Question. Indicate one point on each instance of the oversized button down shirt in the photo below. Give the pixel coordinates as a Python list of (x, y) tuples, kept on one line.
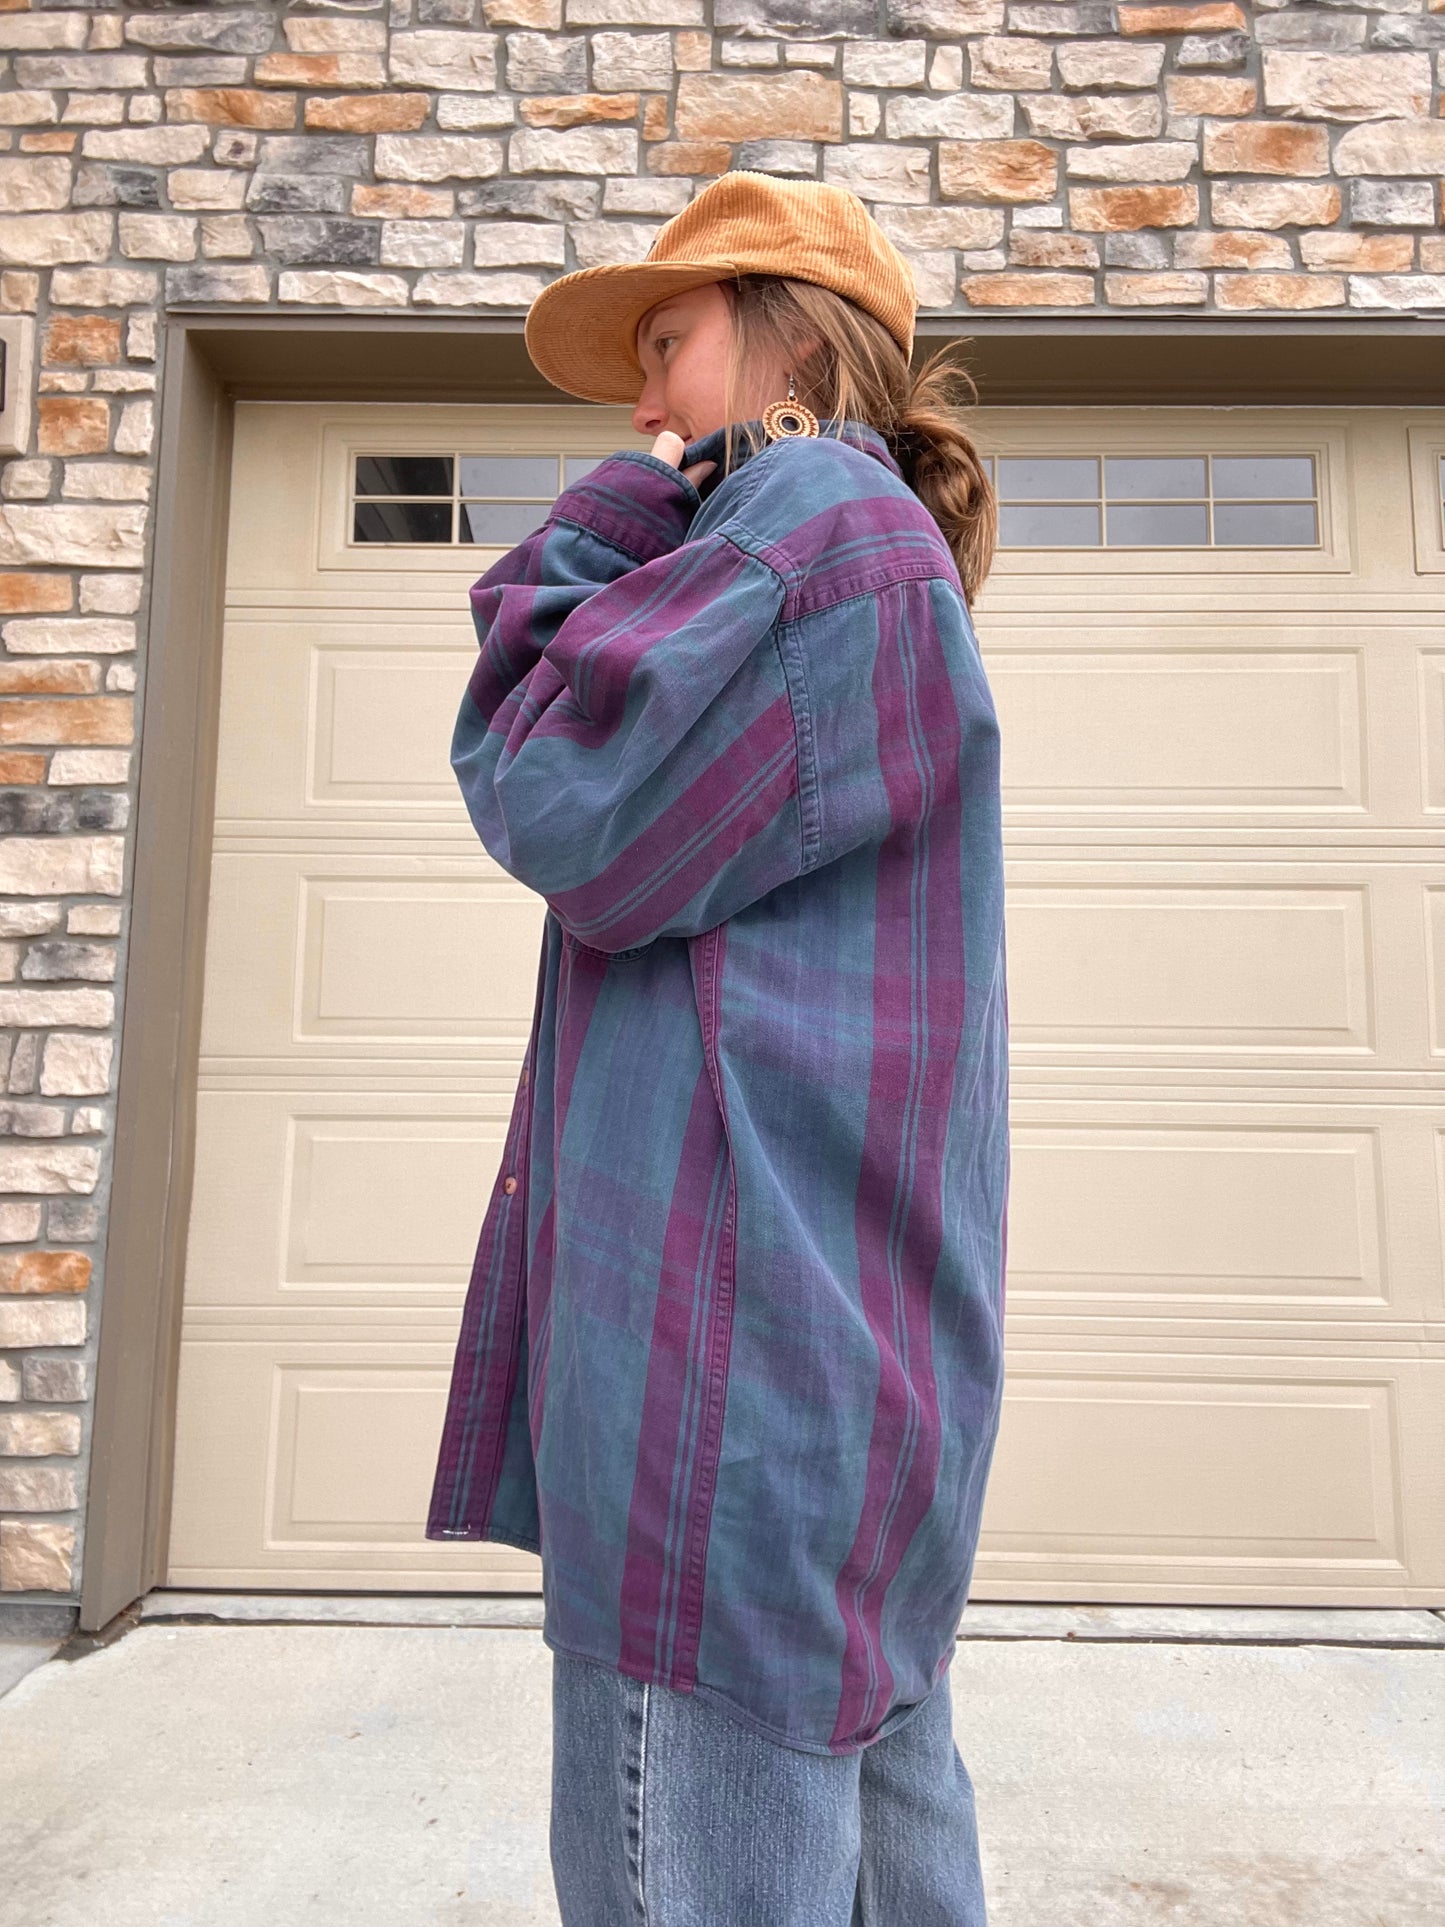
[(731, 1354)]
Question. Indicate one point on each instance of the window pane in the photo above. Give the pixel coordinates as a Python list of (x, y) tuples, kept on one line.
[(1150, 478), (576, 466), (1048, 528), (1044, 479), (1265, 525), (402, 522), (403, 474), (1276, 475), (509, 475), (1167, 525), (501, 524)]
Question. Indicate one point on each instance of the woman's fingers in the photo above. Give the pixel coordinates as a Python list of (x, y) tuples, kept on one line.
[(668, 447), (696, 470)]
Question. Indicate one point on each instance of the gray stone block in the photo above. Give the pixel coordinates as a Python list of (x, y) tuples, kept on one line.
[(305, 240), (314, 154), (797, 158), (546, 63), (534, 200), (1213, 50), (296, 194), (99, 185)]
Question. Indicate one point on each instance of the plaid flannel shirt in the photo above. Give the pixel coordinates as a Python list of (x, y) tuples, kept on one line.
[(731, 1354)]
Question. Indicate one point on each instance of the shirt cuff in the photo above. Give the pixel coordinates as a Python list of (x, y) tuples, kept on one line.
[(634, 500)]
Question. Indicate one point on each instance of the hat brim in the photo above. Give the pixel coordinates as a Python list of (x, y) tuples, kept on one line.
[(581, 330)]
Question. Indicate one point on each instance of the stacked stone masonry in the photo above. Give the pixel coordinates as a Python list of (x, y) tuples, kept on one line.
[(457, 155)]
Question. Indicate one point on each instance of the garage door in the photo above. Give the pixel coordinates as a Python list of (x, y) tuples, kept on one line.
[(1215, 641)]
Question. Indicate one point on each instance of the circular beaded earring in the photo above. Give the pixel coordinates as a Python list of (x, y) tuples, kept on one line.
[(784, 419)]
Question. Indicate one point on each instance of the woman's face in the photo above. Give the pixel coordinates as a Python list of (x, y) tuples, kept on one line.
[(683, 343)]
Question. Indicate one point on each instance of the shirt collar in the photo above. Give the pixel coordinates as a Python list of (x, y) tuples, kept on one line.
[(710, 447)]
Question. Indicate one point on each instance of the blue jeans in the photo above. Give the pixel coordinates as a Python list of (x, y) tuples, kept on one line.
[(667, 1812)]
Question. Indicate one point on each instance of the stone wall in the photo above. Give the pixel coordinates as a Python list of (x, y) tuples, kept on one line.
[(458, 154)]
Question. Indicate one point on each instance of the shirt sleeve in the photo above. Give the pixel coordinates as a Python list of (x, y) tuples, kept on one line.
[(627, 744)]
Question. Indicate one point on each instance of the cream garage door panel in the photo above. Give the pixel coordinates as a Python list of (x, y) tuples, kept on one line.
[(1223, 787)]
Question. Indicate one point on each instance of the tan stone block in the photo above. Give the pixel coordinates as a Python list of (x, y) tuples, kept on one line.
[(1367, 253), (1266, 147), (1010, 61), (41, 678), (1219, 16), (1151, 161), (214, 189), (231, 107), (39, 1435), (72, 424), (1235, 291), (576, 110), (399, 202), (689, 157), (1398, 147), (656, 118), (477, 290), (37, 1274), (1432, 246), (158, 237), (1228, 248), (44, 240), (389, 113), (74, 1065), (81, 340), (335, 288), (461, 63), (429, 158), (37, 1488), (997, 171), (320, 70), (68, 536), (19, 293), (1210, 94), (41, 1321), (1048, 248), (71, 635), (1108, 63), (53, 143), (103, 287), (34, 184), (1352, 86), (1103, 210), (102, 719), (1093, 116), (522, 13), (1028, 290), (941, 227), (90, 766), (26, 105), (1274, 204), (18, 767), (1155, 290), (22, 593), (692, 52), (738, 107), (307, 35), (36, 1556)]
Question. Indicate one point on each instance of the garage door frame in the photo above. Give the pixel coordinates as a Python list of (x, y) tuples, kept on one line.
[(211, 361)]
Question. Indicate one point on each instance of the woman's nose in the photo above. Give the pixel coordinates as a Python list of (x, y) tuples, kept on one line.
[(648, 417)]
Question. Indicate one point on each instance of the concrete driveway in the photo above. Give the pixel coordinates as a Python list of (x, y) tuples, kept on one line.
[(1194, 1768)]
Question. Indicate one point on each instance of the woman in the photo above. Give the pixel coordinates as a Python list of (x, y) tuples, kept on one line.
[(731, 1357)]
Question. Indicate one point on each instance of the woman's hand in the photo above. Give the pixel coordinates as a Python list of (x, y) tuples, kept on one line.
[(668, 448)]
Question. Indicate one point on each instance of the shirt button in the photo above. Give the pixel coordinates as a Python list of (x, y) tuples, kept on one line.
[(509, 1185)]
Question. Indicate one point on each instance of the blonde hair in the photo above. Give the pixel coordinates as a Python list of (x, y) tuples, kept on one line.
[(857, 371)]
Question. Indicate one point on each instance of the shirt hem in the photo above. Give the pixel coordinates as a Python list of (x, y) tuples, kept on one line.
[(490, 1534), (726, 1704)]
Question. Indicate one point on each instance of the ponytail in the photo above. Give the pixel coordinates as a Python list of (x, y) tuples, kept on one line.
[(848, 366)]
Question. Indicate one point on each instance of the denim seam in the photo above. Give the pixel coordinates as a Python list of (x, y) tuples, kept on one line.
[(642, 1808)]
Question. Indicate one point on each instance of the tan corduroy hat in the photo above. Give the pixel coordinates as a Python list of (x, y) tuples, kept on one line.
[(581, 330)]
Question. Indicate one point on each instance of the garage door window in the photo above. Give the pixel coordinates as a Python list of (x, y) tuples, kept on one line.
[(1157, 501), (456, 500)]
